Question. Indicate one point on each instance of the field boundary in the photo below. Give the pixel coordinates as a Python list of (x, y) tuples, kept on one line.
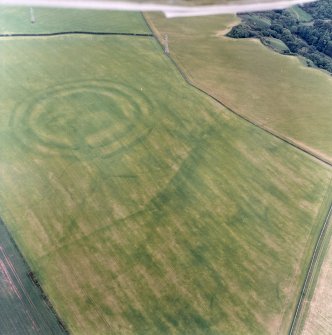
[(34, 280), (78, 33), (252, 122)]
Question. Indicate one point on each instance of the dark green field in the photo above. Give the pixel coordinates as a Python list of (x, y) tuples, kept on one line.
[(23, 310), (141, 204)]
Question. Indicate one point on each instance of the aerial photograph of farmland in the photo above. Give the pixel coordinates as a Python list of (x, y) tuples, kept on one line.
[(165, 167)]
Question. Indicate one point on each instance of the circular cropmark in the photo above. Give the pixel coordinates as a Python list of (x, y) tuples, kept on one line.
[(85, 119)]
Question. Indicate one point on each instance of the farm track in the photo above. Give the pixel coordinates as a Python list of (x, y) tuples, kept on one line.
[(252, 122), (315, 258), (61, 33)]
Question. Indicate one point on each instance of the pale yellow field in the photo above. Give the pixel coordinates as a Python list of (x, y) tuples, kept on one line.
[(276, 91)]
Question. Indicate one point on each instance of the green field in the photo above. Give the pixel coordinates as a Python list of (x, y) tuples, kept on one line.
[(300, 14), (275, 44), (17, 21), (274, 90), (143, 206)]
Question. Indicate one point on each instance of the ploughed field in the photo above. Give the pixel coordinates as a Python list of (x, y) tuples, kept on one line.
[(142, 205), (23, 307)]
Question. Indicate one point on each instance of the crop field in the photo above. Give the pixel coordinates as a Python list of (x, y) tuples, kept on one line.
[(276, 91), (22, 308), (141, 204), (15, 20)]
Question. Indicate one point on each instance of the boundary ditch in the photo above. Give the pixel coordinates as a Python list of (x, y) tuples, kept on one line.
[(61, 33)]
